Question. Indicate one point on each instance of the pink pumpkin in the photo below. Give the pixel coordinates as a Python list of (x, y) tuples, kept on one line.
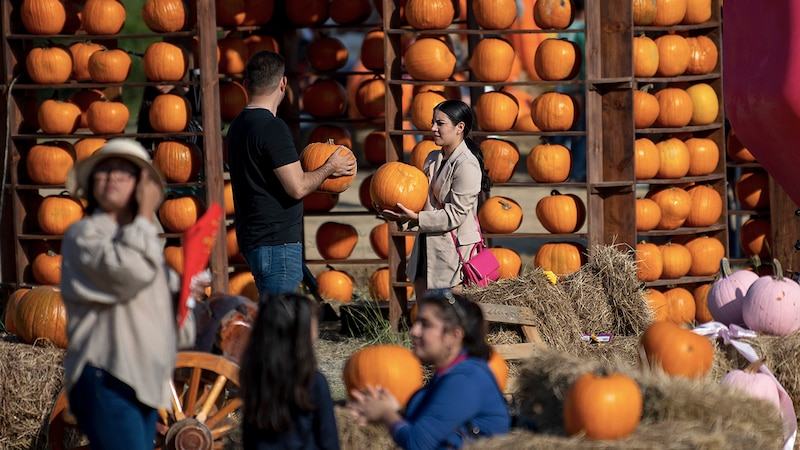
[(754, 383), (727, 293), (772, 304)]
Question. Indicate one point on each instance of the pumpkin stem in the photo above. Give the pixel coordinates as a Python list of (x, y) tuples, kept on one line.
[(646, 87), (725, 267), (755, 261), (330, 141), (754, 366), (555, 192), (506, 205), (777, 269)]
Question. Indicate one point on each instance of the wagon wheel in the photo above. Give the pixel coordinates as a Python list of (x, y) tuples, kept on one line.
[(205, 400)]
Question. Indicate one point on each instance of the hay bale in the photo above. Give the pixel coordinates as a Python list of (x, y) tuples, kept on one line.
[(678, 413), (352, 435), (607, 294), (30, 379), (553, 312)]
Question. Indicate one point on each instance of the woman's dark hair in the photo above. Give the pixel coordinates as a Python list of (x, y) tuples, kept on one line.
[(91, 200), (278, 366), (458, 311), (459, 111)]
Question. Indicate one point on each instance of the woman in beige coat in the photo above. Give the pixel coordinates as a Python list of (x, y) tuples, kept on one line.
[(456, 178)]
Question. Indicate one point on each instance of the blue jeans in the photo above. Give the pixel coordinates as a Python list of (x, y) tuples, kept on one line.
[(277, 269), (109, 414)]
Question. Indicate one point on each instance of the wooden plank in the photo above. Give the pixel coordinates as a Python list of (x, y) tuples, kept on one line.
[(516, 351), (518, 315), (532, 335)]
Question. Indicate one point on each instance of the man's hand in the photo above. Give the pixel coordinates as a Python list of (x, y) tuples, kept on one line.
[(342, 162)]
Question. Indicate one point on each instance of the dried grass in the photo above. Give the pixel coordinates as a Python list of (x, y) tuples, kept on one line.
[(354, 436), (678, 413), (30, 379)]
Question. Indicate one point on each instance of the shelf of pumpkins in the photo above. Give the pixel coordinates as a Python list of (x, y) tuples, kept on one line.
[(682, 218), (66, 73)]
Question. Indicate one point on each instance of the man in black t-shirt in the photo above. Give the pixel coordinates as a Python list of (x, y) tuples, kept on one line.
[(268, 181)]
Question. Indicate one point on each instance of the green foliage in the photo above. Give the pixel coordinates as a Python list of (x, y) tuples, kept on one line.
[(368, 318)]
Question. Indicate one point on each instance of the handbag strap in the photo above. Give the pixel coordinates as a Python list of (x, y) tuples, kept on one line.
[(479, 243)]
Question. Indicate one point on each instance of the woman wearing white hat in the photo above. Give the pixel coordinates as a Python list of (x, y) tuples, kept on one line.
[(118, 293)]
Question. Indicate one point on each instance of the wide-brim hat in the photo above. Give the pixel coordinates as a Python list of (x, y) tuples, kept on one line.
[(128, 149)]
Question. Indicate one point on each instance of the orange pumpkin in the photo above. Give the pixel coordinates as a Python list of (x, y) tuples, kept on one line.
[(681, 304), (500, 215), (232, 55), (549, 163), (669, 12), (40, 314), (430, 59), (107, 117), (702, 313), (163, 61), (706, 208), (648, 214), (178, 161), (658, 304), (335, 285), (647, 158), (737, 151), (422, 105), (645, 108), (705, 104), (393, 367), (677, 260), (43, 16), (371, 98), (561, 258), (429, 14), (396, 182), (325, 98), (603, 407), (755, 237), (57, 212), (675, 108), (102, 16), (233, 98), (674, 157), (496, 111), (557, 59), (49, 162), (173, 255), (336, 240), (178, 214), (703, 55), (676, 350), (561, 213), (229, 13), (49, 65), (707, 252), (645, 56), (703, 156), (379, 241), (58, 117), (169, 113), (554, 111), (421, 151), (85, 147), (510, 261), (371, 54), (553, 14), (644, 12), (326, 54), (492, 60), (673, 55), (649, 261), (494, 14), (320, 201), (164, 16), (315, 155), (350, 12), (500, 158), (81, 51), (675, 204), (697, 12), (9, 318), (243, 283), (83, 99), (380, 285), (46, 268), (752, 190), (109, 65), (258, 43)]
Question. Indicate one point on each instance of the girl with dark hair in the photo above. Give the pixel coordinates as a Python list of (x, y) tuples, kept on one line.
[(462, 402), (287, 401), (456, 179)]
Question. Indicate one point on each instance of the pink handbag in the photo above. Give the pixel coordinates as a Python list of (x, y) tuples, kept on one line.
[(482, 267)]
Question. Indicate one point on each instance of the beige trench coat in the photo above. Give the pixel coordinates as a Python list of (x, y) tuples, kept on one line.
[(451, 205)]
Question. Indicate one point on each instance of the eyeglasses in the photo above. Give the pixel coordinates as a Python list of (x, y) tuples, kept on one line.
[(119, 172)]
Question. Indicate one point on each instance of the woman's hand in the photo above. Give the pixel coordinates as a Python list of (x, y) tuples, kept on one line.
[(149, 195), (373, 404), (400, 214)]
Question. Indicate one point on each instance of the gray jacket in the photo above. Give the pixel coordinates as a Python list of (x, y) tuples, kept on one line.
[(452, 203)]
